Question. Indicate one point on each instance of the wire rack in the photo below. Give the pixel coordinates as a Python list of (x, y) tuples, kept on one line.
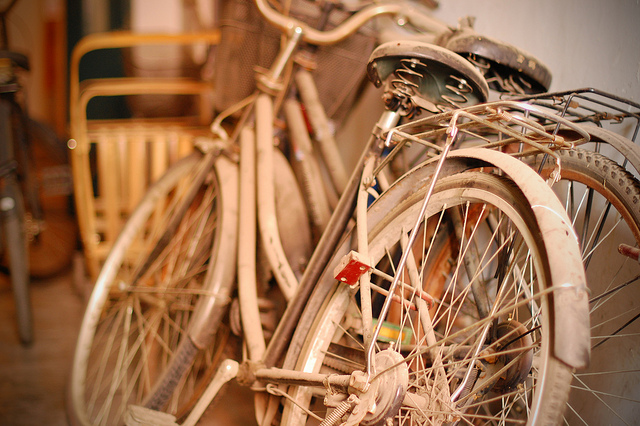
[(612, 122), (514, 127), (593, 106)]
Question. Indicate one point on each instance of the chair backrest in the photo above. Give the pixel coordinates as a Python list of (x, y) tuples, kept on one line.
[(115, 160)]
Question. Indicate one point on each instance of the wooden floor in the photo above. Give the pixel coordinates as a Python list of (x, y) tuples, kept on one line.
[(33, 380)]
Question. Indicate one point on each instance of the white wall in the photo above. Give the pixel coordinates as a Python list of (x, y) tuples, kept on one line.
[(593, 43), (585, 43)]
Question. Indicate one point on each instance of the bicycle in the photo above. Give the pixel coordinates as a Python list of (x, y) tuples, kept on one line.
[(504, 212), (600, 192), (37, 224), (12, 206), (601, 197), (599, 188)]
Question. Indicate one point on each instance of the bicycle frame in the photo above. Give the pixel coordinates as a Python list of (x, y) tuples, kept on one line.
[(246, 209), (263, 358), (256, 151), (262, 106)]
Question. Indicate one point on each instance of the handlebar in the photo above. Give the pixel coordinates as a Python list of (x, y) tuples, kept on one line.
[(352, 24)]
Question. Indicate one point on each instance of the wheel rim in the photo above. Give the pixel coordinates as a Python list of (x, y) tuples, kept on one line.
[(433, 366), (132, 331), (601, 392)]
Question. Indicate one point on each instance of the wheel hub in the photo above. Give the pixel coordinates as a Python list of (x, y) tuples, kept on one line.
[(516, 341), (383, 397)]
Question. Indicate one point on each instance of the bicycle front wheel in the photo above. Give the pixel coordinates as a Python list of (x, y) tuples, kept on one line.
[(15, 243), (135, 344), (468, 336)]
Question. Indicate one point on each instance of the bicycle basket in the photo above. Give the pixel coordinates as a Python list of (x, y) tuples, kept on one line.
[(247, 42)]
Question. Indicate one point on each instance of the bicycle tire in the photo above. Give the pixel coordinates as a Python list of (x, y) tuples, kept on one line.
[(54, 239), (337, 317), (15, 243), (163, 363), (600, 393), (45, 181)]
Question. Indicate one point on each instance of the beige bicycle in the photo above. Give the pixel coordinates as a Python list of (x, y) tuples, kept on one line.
[(452, 292)]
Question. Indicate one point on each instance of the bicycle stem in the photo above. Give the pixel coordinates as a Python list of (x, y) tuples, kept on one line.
[(270, 80)]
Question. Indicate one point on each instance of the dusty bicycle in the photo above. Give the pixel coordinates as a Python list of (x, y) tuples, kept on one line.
[(382, 337), (597, 185), (600, 191), (38, 227), (14, 242)]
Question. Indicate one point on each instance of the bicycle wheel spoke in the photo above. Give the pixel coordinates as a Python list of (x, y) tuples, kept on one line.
[(139, 352), (598, 395), (601, 200), (461, 366)]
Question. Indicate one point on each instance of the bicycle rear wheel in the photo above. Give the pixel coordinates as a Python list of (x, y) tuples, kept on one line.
[(603, 202), (137, 343), (481, 353)]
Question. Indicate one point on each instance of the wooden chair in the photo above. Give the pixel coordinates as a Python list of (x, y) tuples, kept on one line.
[(114, 161)]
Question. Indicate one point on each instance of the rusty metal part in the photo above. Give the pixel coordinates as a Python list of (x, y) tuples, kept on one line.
[(252, 372), (502, 57), (516, 341), (383, 393), (631, 252)]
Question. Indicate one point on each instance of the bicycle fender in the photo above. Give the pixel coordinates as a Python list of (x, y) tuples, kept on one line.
[(220, 277), (570, 300)]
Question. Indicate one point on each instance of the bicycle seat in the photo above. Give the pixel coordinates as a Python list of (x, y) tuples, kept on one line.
[(16, 58), (432, 77), (507, 61)]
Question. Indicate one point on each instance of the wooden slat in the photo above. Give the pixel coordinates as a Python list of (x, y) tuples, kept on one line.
[(159, 155), (108, 182), (185, 145), (136, 169)]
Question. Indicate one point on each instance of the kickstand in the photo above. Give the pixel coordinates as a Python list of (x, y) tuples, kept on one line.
[(142, 416)]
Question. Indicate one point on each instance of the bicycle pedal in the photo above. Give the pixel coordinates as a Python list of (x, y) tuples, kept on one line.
[(142, 416)]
